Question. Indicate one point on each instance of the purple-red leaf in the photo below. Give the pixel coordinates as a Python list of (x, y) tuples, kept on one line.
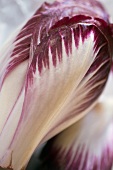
[(87, 144), (51, 75)]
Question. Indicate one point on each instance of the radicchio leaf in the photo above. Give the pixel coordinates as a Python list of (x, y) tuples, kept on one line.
[(87, 144), (51, 75)]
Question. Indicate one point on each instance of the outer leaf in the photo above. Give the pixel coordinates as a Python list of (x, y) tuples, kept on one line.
[(86, 145), (50, 78)]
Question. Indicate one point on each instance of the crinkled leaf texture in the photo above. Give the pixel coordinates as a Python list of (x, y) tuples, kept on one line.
[(86, 145), (51, 75)]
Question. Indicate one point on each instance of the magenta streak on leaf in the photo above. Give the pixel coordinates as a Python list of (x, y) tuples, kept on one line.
[(45, 32), (87, 144), (56, 46), (102, 70), (42, 19), (43, 58), (66, 33), (72, 162), (11, 112)]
